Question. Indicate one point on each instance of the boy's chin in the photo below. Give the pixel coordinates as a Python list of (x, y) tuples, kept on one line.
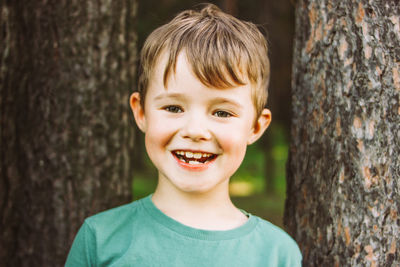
[(201, 189)]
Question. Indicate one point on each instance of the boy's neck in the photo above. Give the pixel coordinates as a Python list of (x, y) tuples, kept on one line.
[(208, 211)]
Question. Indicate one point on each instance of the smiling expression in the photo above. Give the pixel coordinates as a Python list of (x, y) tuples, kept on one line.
[(195, 135)]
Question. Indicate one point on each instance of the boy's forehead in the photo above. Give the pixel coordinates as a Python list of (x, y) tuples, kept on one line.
[(183, 68), (183, 82)]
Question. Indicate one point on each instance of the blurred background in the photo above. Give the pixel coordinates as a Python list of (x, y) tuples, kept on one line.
[(259, 186)]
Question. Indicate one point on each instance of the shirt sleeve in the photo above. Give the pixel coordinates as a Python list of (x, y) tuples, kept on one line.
[(83, 249), (294, 261), (293, 257)]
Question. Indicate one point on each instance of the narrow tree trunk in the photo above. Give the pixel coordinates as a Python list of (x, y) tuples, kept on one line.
[(66, 136), (344, 170)]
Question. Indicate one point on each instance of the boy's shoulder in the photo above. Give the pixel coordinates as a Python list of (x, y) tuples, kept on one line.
[(277, 241), (121, 215), (269, 231)]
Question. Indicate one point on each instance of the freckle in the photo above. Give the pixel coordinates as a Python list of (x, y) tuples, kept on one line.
[(347, 235), (357, 122)]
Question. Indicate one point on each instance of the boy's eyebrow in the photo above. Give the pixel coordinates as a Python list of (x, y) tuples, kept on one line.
[(167, 95), (223, 100), (217, 100)]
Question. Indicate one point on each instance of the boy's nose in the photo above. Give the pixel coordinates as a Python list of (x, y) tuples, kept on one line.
[(196, 129)]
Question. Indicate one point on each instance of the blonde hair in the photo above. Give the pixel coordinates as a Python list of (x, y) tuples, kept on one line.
[(222, 50)]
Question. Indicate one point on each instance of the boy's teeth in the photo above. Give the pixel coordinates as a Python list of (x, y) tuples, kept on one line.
[(197, 155), (193, 157)]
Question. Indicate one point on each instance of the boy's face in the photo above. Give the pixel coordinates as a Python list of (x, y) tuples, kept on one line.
[(196, 136)]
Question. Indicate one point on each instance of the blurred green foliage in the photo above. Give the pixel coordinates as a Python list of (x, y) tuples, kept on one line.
[(253, 169)]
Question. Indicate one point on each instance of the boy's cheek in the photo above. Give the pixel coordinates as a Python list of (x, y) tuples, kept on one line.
[(235, 146), (158, 133)]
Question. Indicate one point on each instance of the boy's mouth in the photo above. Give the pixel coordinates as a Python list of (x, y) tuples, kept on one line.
[(193, 157)]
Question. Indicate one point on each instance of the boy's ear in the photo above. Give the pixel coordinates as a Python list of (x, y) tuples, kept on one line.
[(138, 111), (260, 125)]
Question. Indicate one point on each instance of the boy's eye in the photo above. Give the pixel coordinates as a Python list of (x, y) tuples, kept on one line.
[(173, 109), (222, 114)]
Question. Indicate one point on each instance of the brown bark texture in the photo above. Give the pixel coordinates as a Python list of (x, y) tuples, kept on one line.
[(66, 131), (344, 166)]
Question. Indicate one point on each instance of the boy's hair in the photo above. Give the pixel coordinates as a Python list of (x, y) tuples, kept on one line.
[(222, 50)]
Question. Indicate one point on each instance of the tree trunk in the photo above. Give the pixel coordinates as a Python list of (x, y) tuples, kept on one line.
[(66, 132), (344, 169)]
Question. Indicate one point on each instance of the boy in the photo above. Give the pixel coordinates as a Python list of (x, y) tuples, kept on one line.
[(202, 91)]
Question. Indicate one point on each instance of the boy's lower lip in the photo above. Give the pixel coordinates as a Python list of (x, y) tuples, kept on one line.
[(193, 167)]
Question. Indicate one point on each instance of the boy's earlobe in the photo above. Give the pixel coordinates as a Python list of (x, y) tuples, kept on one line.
[(138, 111), (260, 125)]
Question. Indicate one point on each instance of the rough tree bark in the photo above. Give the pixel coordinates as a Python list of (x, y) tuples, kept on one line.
[(66, 136), (344, 170)]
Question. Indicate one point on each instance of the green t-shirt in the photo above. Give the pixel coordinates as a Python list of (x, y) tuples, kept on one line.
[(139, 234)]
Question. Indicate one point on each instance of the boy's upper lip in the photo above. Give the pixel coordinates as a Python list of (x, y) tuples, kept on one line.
[(194, 150)]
